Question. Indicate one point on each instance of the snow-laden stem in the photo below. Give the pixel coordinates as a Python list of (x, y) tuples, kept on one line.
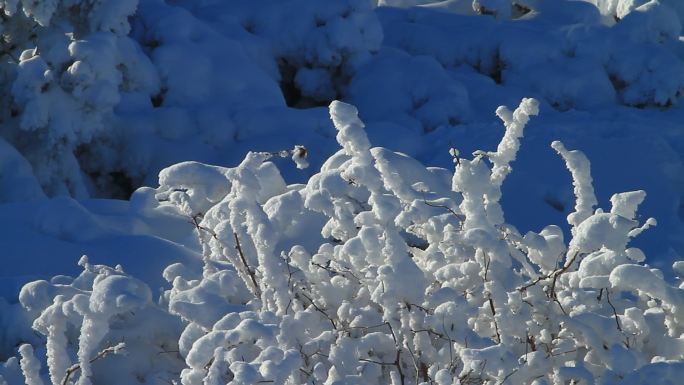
[(509, 145), (506, 153), (30, 366), (53, 323), (93, 331), (580, 168)]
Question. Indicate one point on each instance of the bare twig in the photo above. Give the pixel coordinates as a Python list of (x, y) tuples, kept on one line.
[(337, 272), (451, 347), (424, 309), (413, 358), (561, 271), (238, 247), (195, 221), (554, 275), (496, 325), (115, 349), (508, 376), (397, 362), (377, 362), (460, 217), (617, 318), (320, 310)]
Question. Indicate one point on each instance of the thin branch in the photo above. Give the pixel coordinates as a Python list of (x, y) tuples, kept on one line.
[(554, 274), (195, 220), (508, 376), (496, 325), (377, 362), (460, 217), (561, 271), (397, 362), (617, 319), (337, 272), (424, 309), (451, 347), (320, 310), (102, 354), (238, 247)]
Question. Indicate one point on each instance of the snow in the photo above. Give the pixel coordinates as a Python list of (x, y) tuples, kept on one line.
[(283, 191)]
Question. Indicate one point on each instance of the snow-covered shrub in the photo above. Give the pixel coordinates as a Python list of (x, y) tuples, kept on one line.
[(86, 82), (312, 48), (86, 319), (616, 10), (379, 270), (563, 51), (416, 92), (656, 75), (70, 63)]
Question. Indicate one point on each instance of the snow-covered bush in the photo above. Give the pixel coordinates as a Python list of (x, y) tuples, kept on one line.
[(312, 48), (583, 63), (377, 270), (70, 62), (416, 277), (86, 319), (416, 91)]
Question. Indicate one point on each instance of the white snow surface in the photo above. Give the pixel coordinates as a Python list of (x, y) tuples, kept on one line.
[(281, 191)]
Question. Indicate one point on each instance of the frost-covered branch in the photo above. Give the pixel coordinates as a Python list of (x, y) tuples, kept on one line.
[(579, 167)]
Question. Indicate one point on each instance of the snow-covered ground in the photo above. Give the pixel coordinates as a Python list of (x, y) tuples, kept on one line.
[(99, 96)]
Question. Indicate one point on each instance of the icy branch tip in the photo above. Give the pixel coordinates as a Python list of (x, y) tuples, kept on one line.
[(341, 108), (342, 113), (530, 106), (83, 261), (558, 146)]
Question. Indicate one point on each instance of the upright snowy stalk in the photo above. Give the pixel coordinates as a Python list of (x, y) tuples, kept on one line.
[(579, 167), (400, 280), (352, 137), (112, 294), (480, 186), (506, 152), (93, 330), (507, 149), (53, 323), (30, 366)]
